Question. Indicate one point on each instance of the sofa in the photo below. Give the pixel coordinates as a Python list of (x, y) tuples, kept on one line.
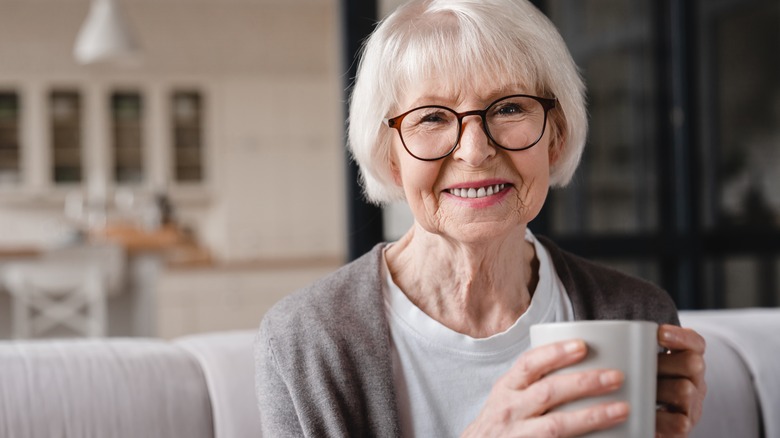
[(202, 386)]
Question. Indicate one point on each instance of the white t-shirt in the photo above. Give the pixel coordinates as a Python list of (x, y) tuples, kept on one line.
[(443, 377)]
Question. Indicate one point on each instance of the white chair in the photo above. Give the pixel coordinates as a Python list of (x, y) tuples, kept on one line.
[(109, 257), (56, 293)]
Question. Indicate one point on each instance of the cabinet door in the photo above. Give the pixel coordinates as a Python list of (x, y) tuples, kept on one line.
[(187, 127), (66, 146), (10, 147), (127, 129)]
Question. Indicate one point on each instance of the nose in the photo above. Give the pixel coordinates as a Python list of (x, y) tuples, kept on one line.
[(474, 146)]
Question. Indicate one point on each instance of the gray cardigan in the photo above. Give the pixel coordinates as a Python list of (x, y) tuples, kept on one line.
[(322, 355)]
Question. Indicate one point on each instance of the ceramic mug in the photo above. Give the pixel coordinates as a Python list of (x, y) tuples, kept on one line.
[(628, 346)]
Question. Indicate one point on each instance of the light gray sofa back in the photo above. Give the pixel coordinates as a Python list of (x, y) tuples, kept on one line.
[(228, 363), (203, 385), (119, 388), (743, 372)]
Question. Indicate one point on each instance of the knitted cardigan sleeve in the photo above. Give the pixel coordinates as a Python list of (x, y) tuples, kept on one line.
[(322, 359)]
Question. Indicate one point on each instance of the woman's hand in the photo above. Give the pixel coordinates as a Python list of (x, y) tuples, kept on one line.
[(681, 386), (519, 402)]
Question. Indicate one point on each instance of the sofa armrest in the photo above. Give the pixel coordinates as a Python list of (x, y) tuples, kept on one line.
[(119, 388), (743, 376), (228, 363)]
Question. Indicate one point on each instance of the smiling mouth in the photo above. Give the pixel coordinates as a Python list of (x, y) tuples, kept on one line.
[(480, 192)]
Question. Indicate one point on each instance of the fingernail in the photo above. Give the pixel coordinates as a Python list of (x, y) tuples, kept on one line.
[(573, 346), (668, 335), (616, 410), (610, 378)]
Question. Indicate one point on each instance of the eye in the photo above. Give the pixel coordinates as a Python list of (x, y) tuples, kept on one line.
[(508, 109), (433, 117), (430, 117)]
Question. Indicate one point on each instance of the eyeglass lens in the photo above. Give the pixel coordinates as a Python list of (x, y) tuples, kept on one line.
[(515, 122)]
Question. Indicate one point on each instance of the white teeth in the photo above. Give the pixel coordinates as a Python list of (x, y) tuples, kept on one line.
[(478, 193)]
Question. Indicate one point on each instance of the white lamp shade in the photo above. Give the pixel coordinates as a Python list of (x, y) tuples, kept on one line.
[(105, 35)]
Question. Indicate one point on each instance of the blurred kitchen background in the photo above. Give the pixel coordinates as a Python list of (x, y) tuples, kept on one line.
[(198, 176)]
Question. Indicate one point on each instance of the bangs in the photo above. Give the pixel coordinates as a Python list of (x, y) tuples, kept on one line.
[(461, 53)]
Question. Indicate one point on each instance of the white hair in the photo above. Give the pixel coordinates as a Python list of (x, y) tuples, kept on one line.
[(503, 41)]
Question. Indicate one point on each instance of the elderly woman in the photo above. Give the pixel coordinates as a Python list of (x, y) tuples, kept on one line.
[(469, 111)]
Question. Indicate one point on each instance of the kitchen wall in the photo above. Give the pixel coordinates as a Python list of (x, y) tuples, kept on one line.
[(270, 74)]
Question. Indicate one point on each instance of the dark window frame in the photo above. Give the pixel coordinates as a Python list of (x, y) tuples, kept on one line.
[(681, 246)]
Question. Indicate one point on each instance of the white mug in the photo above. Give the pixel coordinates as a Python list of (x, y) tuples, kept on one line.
[(628, 346)]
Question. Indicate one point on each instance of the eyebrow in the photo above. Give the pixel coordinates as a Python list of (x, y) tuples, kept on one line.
[(446, 100), (433, 99)]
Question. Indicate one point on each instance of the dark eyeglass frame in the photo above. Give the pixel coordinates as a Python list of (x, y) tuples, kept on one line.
[(547, 105)]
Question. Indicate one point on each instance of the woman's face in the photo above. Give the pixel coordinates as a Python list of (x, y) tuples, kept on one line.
[(437, 191)]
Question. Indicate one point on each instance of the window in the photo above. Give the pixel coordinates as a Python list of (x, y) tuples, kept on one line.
[(739, 127), (65, 116), (187, 119), (740, 113), (10, 166), (611, 209), (613, 43), (679, 180), (126, 109)]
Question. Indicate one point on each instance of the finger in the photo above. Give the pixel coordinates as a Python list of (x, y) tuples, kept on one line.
[(553, 391), (576, 423), (680, 338), (677, 395), (685, 364), (535, 363), (672, 424)]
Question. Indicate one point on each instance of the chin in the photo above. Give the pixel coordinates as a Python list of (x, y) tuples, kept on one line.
[(483, 232)]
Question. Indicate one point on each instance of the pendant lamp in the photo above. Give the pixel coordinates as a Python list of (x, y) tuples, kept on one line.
[(105, 36)]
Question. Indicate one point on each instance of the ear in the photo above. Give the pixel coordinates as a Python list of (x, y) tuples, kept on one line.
[(557, 143), (395, 169), (554, 152)]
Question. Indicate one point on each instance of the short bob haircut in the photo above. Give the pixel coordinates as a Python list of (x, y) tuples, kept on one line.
[(502, 41)]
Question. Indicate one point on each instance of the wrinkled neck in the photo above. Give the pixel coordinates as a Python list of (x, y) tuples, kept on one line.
[(475, 289)]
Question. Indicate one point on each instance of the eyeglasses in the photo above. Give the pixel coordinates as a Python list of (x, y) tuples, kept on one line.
[(432, 132)]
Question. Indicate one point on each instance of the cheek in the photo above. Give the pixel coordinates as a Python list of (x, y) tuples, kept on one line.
[(534, 172), (533, 166), (418, 176), (412, 174), (541, 157)]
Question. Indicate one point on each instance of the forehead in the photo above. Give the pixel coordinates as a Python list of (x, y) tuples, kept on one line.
[(451, 76), (441, 91)]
